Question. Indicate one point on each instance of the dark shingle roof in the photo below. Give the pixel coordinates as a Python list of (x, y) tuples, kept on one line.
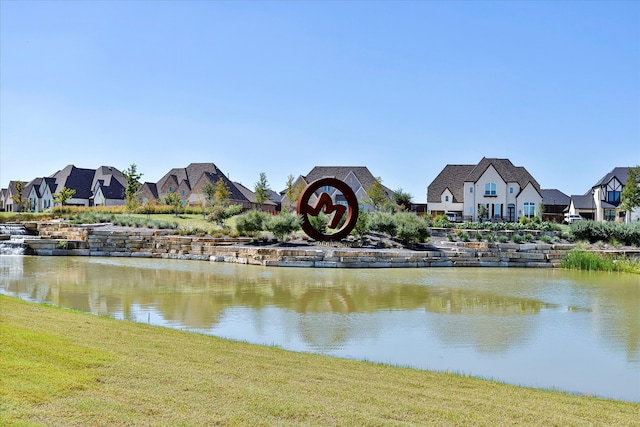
[(554, 197), (362, 174), (621, 173), (507, 171), (451, 177), (583, 201)]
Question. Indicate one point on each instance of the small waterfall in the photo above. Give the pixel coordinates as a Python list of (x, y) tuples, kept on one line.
[(12, 239)]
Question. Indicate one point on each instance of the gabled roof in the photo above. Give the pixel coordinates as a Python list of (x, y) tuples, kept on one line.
[(621, 173), (149, 187), (35, 184), (251, 197), (76, 179), (191, 174), (362, 173), (583, 201), (112, 182), (506, 170), (554, 197), (451, 177)]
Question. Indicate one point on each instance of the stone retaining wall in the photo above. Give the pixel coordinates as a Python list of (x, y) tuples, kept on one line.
[(64, 239)]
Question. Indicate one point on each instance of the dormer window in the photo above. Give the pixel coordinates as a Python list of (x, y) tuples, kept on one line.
[(490, 189), (446, 198)]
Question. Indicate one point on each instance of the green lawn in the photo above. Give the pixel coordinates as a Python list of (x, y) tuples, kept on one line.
[(60, 367)]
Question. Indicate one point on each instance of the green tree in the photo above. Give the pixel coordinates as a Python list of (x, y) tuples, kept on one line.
[(222, 193), (402, 199), (293, 192), (133, 185), (261, 189), (251, 223), (172, 199), (630, 197), (283, 225), (63, 195), (376, 194), (18, 186)]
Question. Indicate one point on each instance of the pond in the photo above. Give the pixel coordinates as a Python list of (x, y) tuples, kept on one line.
[(554, 329)]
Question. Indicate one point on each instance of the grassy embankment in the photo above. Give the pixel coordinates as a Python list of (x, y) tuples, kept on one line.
[(581, 259), (60, 367)]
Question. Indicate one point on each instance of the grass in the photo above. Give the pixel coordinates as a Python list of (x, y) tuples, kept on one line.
[(61, 367), (580, 259)]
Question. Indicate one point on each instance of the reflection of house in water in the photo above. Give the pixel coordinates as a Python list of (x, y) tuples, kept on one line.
[(461, 301)]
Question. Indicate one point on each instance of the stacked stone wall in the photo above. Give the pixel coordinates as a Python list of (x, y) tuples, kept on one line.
[(65, 239)]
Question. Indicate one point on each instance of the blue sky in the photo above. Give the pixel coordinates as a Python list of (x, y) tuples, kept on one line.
[(401, 87)]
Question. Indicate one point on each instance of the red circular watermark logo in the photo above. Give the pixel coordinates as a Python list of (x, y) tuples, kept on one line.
[(324, 203)]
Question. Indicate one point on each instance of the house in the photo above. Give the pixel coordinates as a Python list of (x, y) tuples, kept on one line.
[(359, 179), (493, 189), (189, 182), (602, 201), (555, 204), (8, 195), (3, 193), (103, 186)]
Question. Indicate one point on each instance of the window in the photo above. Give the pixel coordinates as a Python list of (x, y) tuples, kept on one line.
[(613, 196), (490, 189), (529, 209), (609, 215), (510, 190), (170, 189), (446, 198), (471, 210), (183, 193), (470, 189)]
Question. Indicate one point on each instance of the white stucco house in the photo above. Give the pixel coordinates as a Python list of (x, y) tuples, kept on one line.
[(506, 192)]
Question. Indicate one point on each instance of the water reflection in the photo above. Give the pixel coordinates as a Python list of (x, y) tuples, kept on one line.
[(486, 322)]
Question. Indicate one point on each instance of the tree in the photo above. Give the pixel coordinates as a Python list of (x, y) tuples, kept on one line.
[(402, 199), (18, 186), (376, 194), (209, 191), (65, 194), (293, 191), (222, 193), (630, 197), (172, 199), (283, 225), (133, 185), (262, 189)]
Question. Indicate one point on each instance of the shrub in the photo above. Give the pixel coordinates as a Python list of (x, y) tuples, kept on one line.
[(545, 239), (319, 222), (450, 237), (464, 236), (441, 221), (410, 228), (517, 238), (283, 225), (383, 222), (502, 239), (251, 223), (490, 237), (528, 237), (362, 225), (478, 236)]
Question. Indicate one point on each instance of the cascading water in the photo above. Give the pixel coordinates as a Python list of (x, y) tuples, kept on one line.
[(12, 239)]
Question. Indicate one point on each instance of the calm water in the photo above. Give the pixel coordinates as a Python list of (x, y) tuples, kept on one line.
[(573, 331)]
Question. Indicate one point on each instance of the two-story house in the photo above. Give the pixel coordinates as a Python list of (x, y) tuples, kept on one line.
[(493, 189), (602, 201)]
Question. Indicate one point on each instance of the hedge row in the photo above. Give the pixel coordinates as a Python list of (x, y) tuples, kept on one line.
[(593, 231)]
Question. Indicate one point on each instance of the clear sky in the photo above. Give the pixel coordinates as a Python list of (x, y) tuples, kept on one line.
[(401, 87)]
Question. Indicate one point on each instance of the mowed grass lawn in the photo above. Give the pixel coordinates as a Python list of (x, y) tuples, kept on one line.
[(61, 367)]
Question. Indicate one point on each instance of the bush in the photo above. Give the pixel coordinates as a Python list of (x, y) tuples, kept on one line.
[(362, 225), (517, 238), (502, 239), (592, 231), (251, 223), (410, 228), (464, 236), (383, 222), (319, 222), (283, 225)]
